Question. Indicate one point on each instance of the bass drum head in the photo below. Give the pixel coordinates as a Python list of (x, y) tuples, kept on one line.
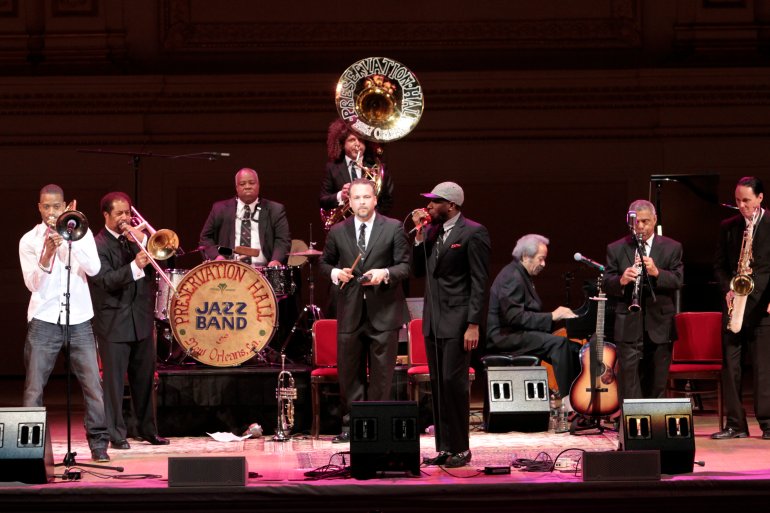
[(224, 313)]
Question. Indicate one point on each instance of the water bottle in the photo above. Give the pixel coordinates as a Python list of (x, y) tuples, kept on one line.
[(553, 422), (563, 423)]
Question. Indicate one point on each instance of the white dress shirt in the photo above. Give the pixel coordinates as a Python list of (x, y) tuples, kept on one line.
[(255, 242), (49, 288)]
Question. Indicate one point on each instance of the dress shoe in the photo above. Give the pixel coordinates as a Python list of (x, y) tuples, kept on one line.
[(120, 444), (458, 460), (729, 433), (156, 440), (766, 434), (437, 460), (342, 438), (100, 455)]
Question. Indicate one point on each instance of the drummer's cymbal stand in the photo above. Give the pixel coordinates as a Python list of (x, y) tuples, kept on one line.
[(310, 313)]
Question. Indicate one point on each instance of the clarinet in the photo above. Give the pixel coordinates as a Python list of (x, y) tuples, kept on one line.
[(635, 306)]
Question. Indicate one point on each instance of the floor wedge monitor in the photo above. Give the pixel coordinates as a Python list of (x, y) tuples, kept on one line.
[(25, 446), (518, 399)]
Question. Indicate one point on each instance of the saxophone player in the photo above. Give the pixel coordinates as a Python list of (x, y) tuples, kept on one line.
[(644, 316), (754, 335)]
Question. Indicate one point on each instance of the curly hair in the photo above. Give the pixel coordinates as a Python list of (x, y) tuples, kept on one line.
[(335, 139)]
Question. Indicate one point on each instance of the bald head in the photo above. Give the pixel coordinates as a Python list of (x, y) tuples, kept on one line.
[(247, 185)]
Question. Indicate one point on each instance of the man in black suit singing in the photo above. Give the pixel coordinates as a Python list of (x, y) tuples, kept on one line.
[(644, 325), (248, 220), (452, 252), (367, 257), (124, 300), (753, 337)]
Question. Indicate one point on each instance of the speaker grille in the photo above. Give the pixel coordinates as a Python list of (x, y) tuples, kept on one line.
[(207, 471)]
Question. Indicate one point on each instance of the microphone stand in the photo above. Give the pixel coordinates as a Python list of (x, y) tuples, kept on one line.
[(69, 458), (136, 160)]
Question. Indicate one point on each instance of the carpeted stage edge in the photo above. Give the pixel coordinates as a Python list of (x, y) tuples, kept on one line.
[(394, 495)]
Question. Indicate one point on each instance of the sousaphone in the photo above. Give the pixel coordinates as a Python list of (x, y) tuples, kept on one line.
[(381, 101)]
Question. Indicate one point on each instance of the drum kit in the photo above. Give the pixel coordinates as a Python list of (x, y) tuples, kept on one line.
[(224, 312)]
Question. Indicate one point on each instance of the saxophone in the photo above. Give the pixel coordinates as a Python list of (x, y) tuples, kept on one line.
[(742, 283), (286, 393)]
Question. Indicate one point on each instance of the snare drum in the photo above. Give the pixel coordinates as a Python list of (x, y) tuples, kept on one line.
[(163, 296), (281, 278), (224, 312)]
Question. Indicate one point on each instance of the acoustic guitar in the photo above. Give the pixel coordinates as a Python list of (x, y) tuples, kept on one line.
[(595, 391)]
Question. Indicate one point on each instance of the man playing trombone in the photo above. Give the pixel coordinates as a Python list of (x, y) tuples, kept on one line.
[(43, 263), (644, 317), (124, 295)]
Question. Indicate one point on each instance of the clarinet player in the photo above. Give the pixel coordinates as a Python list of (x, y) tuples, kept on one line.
[(644, 316), (754, 333)]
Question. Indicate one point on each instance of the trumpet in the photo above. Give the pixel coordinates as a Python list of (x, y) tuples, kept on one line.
[(162, 245), (286, 393)]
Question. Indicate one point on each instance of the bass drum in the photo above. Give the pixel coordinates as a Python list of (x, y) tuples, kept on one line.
[(163, 296), (224, 313)]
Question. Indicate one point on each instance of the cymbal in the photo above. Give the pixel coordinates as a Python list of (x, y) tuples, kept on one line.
[(307, 253)]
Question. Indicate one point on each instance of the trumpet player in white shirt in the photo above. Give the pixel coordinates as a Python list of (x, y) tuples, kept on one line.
[(43, 256)]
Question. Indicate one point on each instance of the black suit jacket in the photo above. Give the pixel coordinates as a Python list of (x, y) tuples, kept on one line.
[(455, 282), (726, 264), (388, 248), (514, 307), (658, 316), (124, 308), (274, 236), (337, 174)]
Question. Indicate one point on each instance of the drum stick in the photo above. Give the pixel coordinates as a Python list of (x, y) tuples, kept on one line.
[(355, 262), (245, 250)]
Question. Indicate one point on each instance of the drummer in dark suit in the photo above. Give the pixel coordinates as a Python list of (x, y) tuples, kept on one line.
[(123, 293), (248, 220)]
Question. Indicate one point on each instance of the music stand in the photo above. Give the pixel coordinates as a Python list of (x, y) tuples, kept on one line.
[(72, 226)]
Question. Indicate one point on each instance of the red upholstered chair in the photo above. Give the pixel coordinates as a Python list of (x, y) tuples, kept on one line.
[(418, 361), (697, 355), (324, 365)]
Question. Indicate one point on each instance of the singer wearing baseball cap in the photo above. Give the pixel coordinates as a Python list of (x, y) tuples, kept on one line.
[(452, 253)]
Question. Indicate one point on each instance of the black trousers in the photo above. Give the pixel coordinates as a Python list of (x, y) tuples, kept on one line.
[(365, 347), (560, 352), (757, 342), (643, 372), (448, 363)]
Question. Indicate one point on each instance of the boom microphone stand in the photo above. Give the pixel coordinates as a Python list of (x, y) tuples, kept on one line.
[(72, 226)]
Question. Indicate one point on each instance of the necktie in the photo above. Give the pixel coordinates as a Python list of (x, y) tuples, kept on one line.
[(440, 241), (246, 231), (353, 171), (362, 238)]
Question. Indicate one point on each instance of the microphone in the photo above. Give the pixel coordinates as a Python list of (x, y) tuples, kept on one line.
[(631, 219), (218, 154), (71, 225), (425, 221), (591, 263)]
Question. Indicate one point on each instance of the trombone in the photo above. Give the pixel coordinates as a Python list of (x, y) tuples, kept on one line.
[(162, 245)]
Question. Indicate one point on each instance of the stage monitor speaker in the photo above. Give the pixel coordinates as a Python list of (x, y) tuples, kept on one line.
[(660, 424), (519, 399), (621, 466), (384, 438), (208, 471), (25, 446)]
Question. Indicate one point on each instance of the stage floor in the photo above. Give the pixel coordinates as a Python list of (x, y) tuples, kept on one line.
[(735, 472)]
